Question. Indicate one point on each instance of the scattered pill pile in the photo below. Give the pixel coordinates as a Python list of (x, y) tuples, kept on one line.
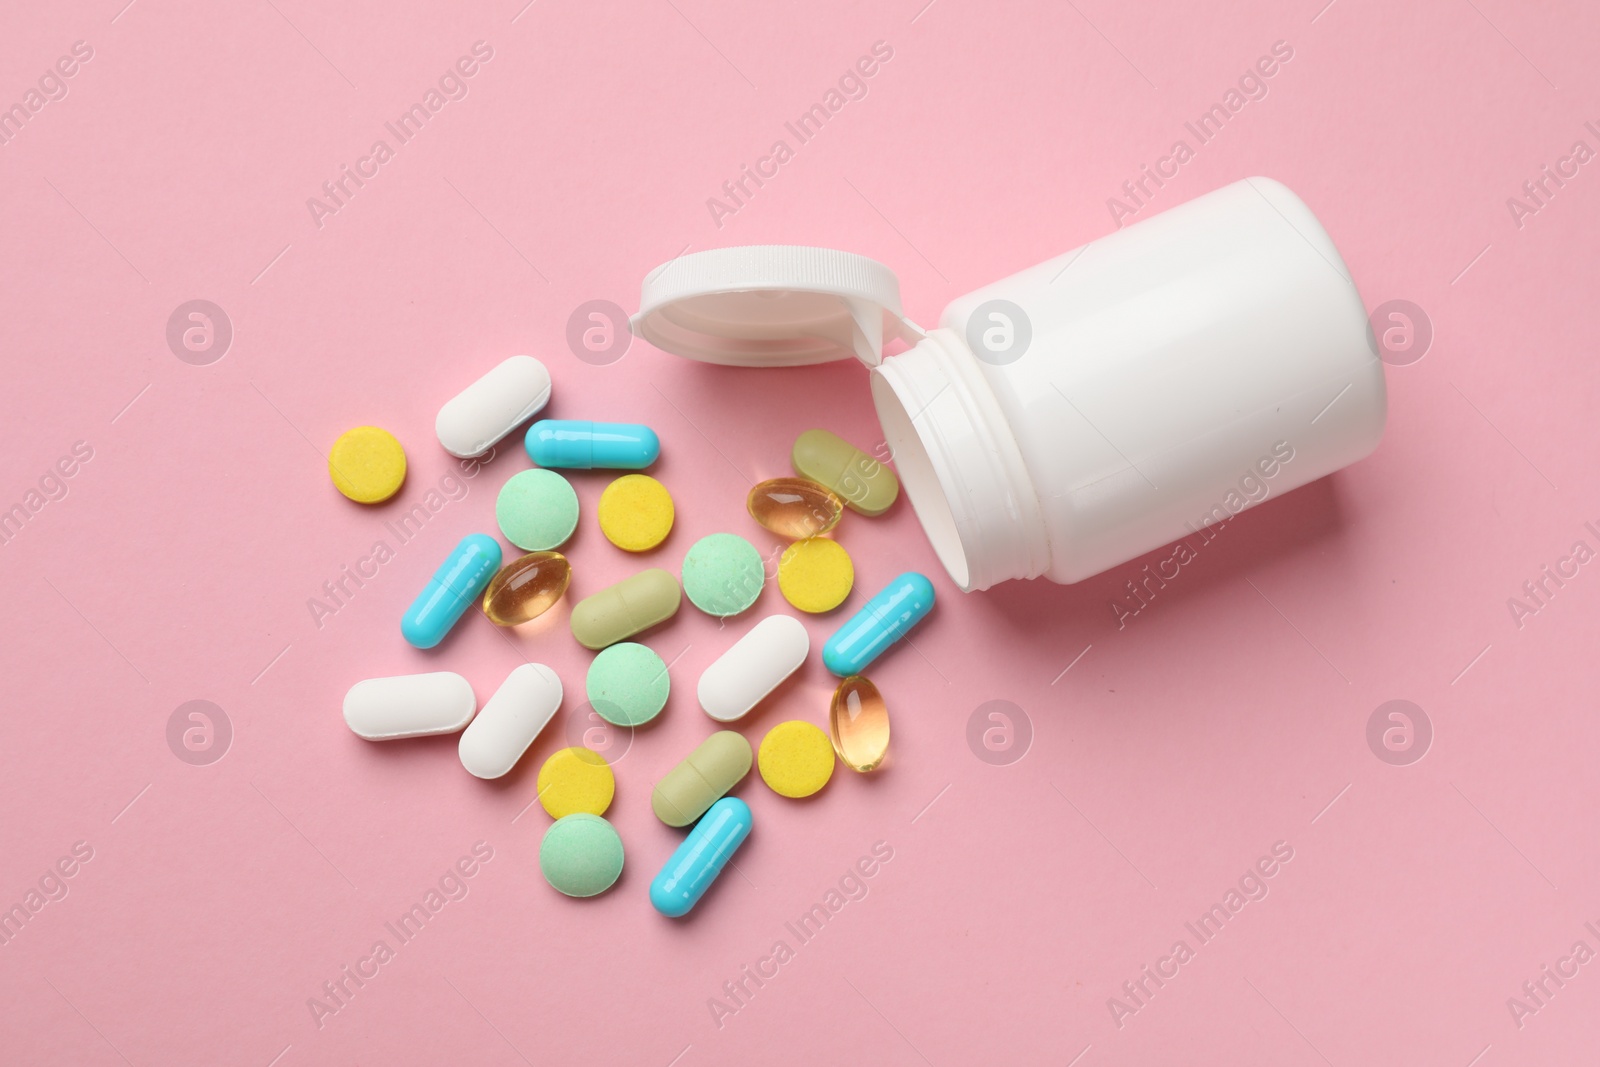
[(628, 684)]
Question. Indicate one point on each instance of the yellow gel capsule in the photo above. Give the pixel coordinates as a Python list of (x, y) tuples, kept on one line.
[(526, 588), (367, 464), (796, 508), (861, 481), (858, 724)]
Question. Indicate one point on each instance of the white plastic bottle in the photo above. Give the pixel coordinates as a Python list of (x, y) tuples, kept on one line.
[(1087, 410)]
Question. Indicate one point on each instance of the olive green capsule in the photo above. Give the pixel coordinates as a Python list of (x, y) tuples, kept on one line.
[(860, 481), (619, 611), (716, 766)]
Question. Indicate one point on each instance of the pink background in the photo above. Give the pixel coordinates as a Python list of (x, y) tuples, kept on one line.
[(1229, 715)]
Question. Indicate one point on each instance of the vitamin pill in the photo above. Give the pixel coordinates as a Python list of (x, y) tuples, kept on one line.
[(410, 705), (585, 445), (881, 622), (367, 464), (537, 510), (576, 780), (772, 650), (526, 588), (705, 775), (858, 724), (494, 741), (861, 481), (624, 609), (628, 684), (796, 508), (459, 581), (815, 575), (635, 512), (581, 855), (796, 759), (723, 574), (481, 414), (695, 864)]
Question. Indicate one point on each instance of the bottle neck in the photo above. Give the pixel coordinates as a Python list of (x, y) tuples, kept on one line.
[(960, 464)]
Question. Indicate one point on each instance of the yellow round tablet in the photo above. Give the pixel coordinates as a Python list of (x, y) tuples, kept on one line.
[(576, 780), (816, 574), (635, 512), (367, 464), (795, 758)]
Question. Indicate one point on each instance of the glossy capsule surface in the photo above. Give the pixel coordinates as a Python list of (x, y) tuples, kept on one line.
[(796, 508), (881, 622), (458, 582), (526, 588), (696, 863), (858, 724), (582, 445)]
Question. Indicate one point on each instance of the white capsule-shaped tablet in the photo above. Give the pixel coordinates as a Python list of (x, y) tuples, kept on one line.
[(510, 721), (491, 407), (409, 705), (755, 665)]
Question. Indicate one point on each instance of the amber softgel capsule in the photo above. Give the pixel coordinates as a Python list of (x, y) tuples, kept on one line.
[(858, 724), (796, 508), (526, 588)]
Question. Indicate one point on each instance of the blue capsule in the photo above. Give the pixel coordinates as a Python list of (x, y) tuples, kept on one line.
[(881, 622), (585, 445), (697, 862), (458, 582)]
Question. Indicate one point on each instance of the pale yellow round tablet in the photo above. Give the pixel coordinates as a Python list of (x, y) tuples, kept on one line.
[(795, 759), (635, 512), (576, 780), (367, 464), (816, 574)]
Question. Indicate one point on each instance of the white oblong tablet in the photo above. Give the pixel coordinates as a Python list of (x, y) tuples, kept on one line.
[(491, 407), (409, 705), (772, 650), (509, 722)]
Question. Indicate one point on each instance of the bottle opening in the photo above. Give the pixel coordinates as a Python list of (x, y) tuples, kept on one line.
[(960, 464), (921, 481)]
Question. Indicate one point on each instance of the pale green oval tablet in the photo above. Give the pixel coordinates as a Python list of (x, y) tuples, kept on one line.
[(705, 775), (537, 510), (581, 855), (723, 574), (619, 611), (628, 684), (862, 482)]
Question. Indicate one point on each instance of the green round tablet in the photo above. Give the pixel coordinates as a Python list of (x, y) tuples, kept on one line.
[(537, 510), (581, 855), (722, 574), (628, 684)]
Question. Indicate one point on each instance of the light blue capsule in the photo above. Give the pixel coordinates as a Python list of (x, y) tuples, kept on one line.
[(881, 622), (582, 445), (460, 580), (697, 862)]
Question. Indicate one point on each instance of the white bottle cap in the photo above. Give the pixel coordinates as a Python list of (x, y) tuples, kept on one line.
[(772, 306)]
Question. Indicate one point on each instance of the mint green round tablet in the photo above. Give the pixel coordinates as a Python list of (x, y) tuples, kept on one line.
[(628, 684), (537, 510), (581, 855), (722, 574)]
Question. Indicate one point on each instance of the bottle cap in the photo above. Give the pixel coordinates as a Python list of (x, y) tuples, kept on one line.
[(772, 306)]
